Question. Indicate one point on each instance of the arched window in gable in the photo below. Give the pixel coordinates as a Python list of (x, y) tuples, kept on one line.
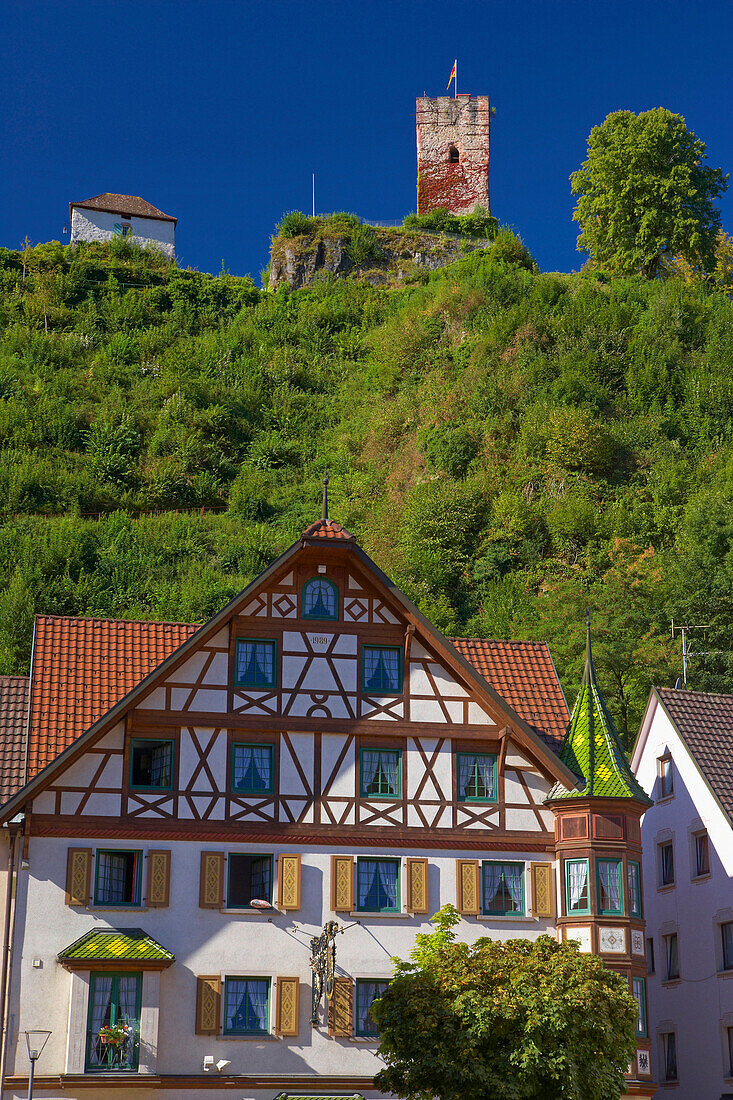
[(453, 155), (320, 599)]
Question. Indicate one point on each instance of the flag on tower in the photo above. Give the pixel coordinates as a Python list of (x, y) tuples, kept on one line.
[(452, 76)]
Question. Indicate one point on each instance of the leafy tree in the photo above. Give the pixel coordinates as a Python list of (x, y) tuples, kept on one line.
[(515, 1020), (644, 194)]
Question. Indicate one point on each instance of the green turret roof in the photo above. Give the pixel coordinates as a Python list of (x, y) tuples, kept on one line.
[(592, 748)]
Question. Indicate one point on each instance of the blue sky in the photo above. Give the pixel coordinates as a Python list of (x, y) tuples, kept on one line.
[(218, 111)]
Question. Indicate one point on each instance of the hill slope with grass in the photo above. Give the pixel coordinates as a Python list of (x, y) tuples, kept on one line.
[(509, 446)]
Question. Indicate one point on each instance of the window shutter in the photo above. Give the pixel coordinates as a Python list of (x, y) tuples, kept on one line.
[(286, 1008), (211, 885), (288, 881), (542, 889), (468, 900), (78, 876), (417, 885), (342, 884), (159, 878), (208, 1005), (340, 1009)]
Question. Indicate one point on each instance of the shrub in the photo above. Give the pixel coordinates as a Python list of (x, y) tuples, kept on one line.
[(295, 224)]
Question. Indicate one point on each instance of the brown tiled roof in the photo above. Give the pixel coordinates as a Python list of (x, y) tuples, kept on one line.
[(524, 674), (327, 529), (123, 204), (81, 668), (13, 715), (705, 723)]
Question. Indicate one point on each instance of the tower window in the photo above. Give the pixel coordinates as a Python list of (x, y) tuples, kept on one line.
[(453, 154)]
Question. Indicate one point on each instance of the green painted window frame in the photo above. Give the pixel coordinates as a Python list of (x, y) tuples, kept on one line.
[(152, 741), (568, 910), (386, 648), (367, 794), (133, 1068), (252, 855), (320, 618), (252, 745), (248, 978), (619, 871), (641, 1027), (523, 874), (635, 911), (256, 641), (137, 852), (397, 907), (472, 799), (357, 984)]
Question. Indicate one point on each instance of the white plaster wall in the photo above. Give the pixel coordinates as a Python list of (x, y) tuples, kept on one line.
[(700, 1005), (98, 225)]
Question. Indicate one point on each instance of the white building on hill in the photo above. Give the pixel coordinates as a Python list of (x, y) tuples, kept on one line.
[(106, 216)]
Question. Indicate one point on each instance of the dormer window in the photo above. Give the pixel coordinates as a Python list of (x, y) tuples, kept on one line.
[(453, 154), (320, 599)]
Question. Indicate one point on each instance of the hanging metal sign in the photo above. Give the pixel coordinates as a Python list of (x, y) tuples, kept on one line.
[(323, 965)]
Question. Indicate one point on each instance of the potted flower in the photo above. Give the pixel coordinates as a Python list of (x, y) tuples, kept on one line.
[(114, 1035)]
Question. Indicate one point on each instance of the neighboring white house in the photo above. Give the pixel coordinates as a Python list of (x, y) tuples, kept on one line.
[(683, 758), (106, 216)]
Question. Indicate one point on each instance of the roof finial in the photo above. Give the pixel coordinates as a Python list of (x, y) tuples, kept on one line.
[(325, 494)]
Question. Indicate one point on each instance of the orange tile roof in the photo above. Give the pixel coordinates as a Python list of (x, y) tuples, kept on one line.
[(13, 715), (524, 674), (327, 529), (81, 668)]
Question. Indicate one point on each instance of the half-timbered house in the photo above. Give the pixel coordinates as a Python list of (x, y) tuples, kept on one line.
[(197, 802)]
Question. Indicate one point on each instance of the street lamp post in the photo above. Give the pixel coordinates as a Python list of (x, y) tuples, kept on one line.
[(35, 1041)]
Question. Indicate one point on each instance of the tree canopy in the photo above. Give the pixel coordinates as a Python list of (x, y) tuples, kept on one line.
[(645, 195), (505, 1021)]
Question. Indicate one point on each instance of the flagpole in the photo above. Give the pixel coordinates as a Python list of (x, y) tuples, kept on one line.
[(314, 194), (455, 80)]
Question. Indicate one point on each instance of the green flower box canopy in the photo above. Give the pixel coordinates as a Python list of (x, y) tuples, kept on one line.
[(319, 1096), (116, 949)]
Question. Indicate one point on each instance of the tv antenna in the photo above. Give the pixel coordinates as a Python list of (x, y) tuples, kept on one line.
[(687, 650)]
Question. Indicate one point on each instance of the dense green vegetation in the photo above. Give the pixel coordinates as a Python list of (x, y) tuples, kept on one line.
[(509, 446)]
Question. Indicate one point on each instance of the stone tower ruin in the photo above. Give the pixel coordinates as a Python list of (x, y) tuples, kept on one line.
[(453, 153)]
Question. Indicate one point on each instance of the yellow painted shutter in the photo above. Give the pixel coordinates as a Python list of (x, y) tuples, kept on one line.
[(159, 878), (542, 878), (78, 876), (342, 884), (288, 881), (211, 885), (286, 1010), (417, 885), (208, 1005), (340, 1008), (468, 900)]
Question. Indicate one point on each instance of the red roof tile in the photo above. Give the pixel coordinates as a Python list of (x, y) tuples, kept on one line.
[(81, 668), (13, 715), (705, 723), (524, 674), (123, 204), (327, 529)]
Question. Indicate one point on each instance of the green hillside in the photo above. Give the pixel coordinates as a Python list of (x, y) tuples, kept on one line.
[(509, 446)]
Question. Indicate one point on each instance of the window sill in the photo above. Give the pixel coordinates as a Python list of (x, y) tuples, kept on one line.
[(508, 918), (668, 982), (666, 887), (252, 912), (115, 908), (152, 790), (664, 798), (359, 914), (247, 1038), (701, 878), (725, 973), (365, 1040)]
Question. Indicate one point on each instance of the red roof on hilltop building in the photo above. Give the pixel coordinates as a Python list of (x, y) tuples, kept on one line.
[(123, 204)]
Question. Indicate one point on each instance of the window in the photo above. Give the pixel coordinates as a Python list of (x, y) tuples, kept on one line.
[(382, 669), (366, 993), (666, 776), (639, 992), (453, 155), (633, 878), (608, 872), (672, 958), (650, 955), (126, 229), (249, 879), (118, 878), (503, 888), (476, 777), (253, 769), (669, 1056), (320, 599), (666, 865), (114, 1003), (151, 765), (726, 932), (729, 1037), (381, 772), (378, 885), (246, 1006), (577, 895), (702, 855), (255, 663)]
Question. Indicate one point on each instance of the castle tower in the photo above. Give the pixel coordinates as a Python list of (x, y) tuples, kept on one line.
[(453, 153), (598, 847)]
